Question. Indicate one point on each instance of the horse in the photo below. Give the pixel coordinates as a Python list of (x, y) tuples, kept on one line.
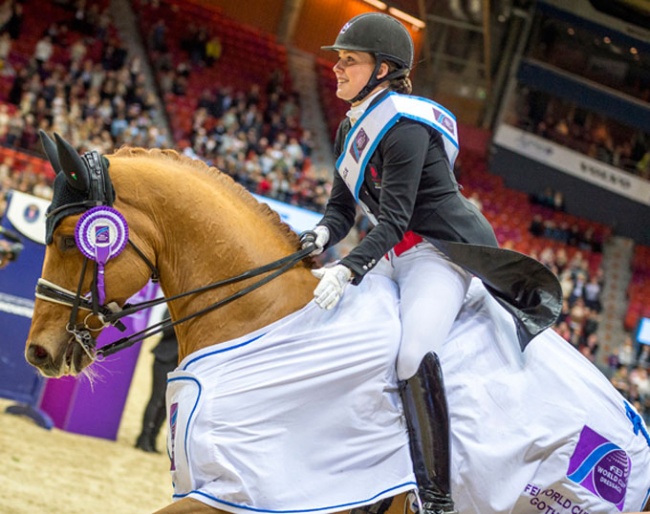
[(538, 431)]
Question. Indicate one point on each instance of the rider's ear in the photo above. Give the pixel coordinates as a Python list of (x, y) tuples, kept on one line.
[(383, 71), (73, 167), (49, 146)]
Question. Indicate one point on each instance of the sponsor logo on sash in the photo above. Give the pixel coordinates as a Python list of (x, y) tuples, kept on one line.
[(359, 144)]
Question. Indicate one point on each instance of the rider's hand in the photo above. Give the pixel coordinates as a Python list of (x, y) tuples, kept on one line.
[(319, 237), (329, 290)]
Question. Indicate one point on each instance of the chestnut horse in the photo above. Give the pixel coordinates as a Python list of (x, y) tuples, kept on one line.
[(193, 225), (189, 226)]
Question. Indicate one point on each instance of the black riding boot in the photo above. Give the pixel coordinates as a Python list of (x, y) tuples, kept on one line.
[(147, 440), (154, 417), (427, 417)]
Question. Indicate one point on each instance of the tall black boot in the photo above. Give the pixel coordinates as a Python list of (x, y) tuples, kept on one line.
[(427, 417), (151, 424)]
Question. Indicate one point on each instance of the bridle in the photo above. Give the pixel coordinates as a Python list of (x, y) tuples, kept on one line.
[(110, 314)]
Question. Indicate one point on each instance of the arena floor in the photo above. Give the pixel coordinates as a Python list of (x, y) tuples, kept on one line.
[(55, 472)]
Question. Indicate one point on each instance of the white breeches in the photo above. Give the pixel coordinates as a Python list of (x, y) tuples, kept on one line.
[(431, 290)]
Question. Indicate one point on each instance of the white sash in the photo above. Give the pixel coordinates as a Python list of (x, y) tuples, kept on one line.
[(363, 138)]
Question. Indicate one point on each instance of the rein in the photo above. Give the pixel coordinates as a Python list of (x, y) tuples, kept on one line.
[(280, 266), (111, 314)]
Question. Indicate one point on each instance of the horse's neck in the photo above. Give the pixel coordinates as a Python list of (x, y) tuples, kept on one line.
[(202, 245)]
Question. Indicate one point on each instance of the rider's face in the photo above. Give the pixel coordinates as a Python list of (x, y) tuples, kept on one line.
[(353, 71)]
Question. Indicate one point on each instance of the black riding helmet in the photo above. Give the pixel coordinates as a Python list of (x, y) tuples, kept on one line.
[(382, 36)]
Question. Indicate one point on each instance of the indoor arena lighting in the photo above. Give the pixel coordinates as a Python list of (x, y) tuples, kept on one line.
[(406, 17), (377, 4)]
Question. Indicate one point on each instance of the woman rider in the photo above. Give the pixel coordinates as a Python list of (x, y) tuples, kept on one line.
[(395, 155)]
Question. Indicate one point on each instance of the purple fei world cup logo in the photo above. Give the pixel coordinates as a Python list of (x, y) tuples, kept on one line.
[(601, 467)]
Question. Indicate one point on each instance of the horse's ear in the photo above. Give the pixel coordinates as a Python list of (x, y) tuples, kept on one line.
[(49, 146), (73, 167)]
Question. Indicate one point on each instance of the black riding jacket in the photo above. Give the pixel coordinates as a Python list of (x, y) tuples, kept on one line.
[(409, 185)]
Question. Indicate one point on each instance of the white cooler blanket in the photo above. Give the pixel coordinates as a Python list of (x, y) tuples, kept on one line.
[(539, 431), (303, 415)]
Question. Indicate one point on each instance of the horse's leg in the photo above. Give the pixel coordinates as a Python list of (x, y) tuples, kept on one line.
[(189, 506)]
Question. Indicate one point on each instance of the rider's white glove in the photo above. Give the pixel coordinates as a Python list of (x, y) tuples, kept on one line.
[(322, 237), (329, 290)]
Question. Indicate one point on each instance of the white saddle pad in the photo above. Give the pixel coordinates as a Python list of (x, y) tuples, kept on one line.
[(304, 415)]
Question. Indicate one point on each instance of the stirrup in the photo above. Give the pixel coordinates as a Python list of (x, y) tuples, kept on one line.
[(430, 508), (417, 506)]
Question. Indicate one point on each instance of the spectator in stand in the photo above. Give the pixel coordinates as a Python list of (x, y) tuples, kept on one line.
[(536, 227), (158, 36), (561, 259), (592, 322), (547, 257), (639, 378), (589, 348), (566, 282), (5, 119), (592, 290), (626, 353), (6, 168), (643, 166), (558, 201), (42, 187), (213, 49), (562, 328), (5, 47), (643, 359), (14, 24), (621, 380)]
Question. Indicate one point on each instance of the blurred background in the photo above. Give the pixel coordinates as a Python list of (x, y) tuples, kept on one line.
[(552, 99)]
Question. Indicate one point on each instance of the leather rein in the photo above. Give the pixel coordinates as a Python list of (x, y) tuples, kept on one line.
[(111, 314)]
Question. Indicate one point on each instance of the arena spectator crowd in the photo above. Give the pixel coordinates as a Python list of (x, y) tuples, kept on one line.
[(70, 73), (591, 134)]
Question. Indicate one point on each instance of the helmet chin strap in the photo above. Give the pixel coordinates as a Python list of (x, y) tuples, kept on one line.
[(374, 81)]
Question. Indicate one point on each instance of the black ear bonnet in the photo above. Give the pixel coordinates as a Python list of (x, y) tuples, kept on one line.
[(81, 182)]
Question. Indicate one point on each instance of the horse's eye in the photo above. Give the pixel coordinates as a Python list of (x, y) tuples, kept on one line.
[(67, 243)]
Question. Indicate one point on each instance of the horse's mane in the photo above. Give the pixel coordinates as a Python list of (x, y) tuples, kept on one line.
[(223, 178)]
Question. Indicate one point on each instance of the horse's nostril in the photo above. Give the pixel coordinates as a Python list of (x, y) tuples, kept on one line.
[(37, 355)]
